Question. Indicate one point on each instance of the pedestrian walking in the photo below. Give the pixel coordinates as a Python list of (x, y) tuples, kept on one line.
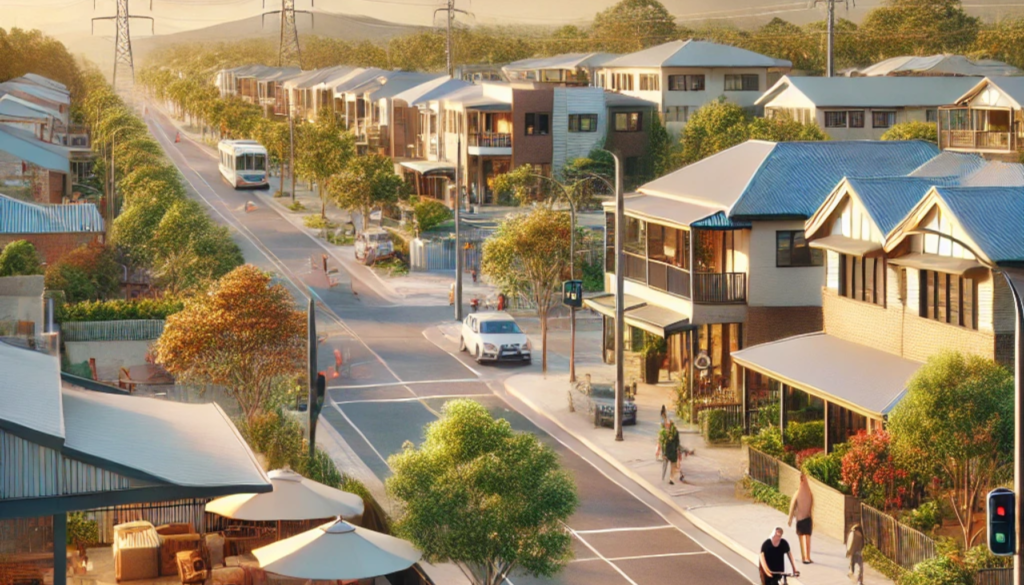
[(773, 558), (501, 301), (664, 415), (451, 295), (855, 552), (801, 508), (668, 449)]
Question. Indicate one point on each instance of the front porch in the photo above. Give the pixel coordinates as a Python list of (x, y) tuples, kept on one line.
[(996, 130)]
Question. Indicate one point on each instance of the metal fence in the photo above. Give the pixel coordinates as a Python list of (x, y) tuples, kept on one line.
[(124, 330), (899, 543), (439, 255), (733, 413), (763, 468), (994, 577)]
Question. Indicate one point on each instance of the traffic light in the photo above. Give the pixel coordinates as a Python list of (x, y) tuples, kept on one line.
[(1001, 522), (572, 293)]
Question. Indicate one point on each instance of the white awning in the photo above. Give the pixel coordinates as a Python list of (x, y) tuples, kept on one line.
[(429, 167), (652, 318), (845, 245), (937, 263)]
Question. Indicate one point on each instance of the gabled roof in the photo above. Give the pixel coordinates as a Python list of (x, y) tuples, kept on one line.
[(318, 77), (10, 108), (1011, 87), (794, 179), (992, 217), (26, 146), (715, 182), (356, 78), (37, 91), (872, 92), (47, 110), (949, 163), (45, 82), (400, 83), (889, 199), (431, 90), (32, 405), (23, 217), (693, 53), (564, 61), (939, 65)]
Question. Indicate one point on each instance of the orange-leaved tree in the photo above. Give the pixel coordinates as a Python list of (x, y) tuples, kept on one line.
[(245, 335)]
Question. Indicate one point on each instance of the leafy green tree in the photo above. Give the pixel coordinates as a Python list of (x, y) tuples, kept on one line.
[(919, 27), (660, 150), (784, 128), (912, 131), (275, 137), (366, 183), (714, 127), (19, 258), (478, 494), (86, 273), (429, 213), (632, 25), (322, 151), (189, 250), (958, 415), (528, 255)]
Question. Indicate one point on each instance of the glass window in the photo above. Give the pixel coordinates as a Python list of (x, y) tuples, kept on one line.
[(499, 327), (835, 119), (744, 82), (677, 113), (636, 236), (949, 298), (240, 162), (686, 83), (856, 118), (791, 249), (883, 119), (260, 162), (582, 122), (931, 115), (538, 124), (628, 122), (649, 82), (862, 279)]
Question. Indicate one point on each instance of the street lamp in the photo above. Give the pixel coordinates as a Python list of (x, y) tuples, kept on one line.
[(620, 314)]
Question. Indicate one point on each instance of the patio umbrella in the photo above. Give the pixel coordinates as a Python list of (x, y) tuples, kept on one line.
[(294, 498), (337, 550)]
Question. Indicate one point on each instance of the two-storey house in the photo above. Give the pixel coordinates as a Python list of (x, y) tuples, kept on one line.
[(681, 76), (716, 257), (987, 119), (566, 69), (861, 108)]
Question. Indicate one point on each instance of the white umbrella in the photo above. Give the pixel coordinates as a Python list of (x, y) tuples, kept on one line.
[(337, 550), (294, 498)]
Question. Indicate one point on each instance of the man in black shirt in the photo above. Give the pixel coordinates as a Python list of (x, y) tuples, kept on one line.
[(773, 559)]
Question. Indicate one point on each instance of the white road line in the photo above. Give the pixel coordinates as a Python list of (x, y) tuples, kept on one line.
[(353, 425), (454, 355), (414, 399), (642, 557), (606, 530), (601, 556), (412, 383)]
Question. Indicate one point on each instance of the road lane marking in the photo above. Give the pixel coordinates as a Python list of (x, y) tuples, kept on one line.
[(606, 530), (415, 399), (354, 427), (599, 555), (642, 557), (411, 383)]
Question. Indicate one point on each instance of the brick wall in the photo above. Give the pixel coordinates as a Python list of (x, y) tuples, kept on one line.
[(535, 149), (766, 324), (861, 322), (52, 246), (1005, 349), (924, 338), (832, 509)]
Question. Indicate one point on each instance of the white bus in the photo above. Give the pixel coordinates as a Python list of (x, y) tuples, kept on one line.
[(243, 163)]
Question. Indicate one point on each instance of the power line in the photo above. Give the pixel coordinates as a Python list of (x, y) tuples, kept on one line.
[(123, 60)]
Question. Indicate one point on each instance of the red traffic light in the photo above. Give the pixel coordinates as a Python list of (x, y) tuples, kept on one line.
[(1000, 511)]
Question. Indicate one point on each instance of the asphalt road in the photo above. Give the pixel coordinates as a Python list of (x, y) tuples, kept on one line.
[(399, 373)]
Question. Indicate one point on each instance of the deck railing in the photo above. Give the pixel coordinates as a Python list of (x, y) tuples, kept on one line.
[(668, 278), (900, 543), (763, 468), (719, 287), (491, 140), (977, 140)]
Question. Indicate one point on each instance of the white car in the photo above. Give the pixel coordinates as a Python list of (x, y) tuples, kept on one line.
[(494, 337)]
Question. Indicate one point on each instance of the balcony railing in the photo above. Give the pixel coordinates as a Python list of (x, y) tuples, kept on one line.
[(977, 140), (491, 140), (719, 287), (636, 268), (668, 278)]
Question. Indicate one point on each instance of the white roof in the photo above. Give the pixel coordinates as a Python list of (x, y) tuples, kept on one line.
[(37, 91), (26, 146), (938, 65), (355, 79), (566, 61), (49, 111), (13, 108), (46, 81), (192, 445), (30, 392), (318, 77), (487, 94), (718, 181), (871, 92), (661, 209), (401, 82), (693, 53), (431, 90)]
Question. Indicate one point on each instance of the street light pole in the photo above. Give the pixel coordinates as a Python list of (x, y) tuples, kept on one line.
[(572, 276), (291, 151), (458, 240), (620, 313)]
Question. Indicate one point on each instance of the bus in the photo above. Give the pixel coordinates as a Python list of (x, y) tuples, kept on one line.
[(243, 163)]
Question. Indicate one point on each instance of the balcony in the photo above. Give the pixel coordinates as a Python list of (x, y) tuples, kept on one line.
[(654, 274), (984, 130), (720, 287), (489, 143), (977, 140)]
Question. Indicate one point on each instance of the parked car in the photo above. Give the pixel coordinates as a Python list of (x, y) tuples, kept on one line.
[(597, 403), (494, 336), (374, 244)]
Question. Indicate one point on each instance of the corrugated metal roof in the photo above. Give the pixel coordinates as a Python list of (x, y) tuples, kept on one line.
[(25, 146), (720, 221), (889, 199), (949, 163), (564, 61), (401, 82), (693, 53), (995, 174), (30, 393), (939, 65), (796, 177), (431, 90), (22, 217), (992, 217), (875, 92)]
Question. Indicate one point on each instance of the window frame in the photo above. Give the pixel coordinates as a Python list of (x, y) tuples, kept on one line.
[(850, 114), (576, 123), (740, 82), (632, 121), (815, 257), (690, 82), (537, 128), (890, 118), (936, 297), (833, 114), (645, 81)]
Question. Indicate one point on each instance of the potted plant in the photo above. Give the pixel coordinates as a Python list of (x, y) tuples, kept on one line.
[(82, 532), (653, 354)]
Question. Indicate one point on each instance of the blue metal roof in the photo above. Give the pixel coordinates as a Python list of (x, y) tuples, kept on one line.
[(992, 216), (796, 177), (949, 164), (889, 199), (23, 217), (719, 221)]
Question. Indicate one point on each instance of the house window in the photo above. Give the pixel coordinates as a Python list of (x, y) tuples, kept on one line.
[(791, 250), (862, 279), (635, 240), (538, 124), (668, 245), (949, 298), (582, 122), (745, 82), (677, 113), (835, 119), (649, 82), (686, 83), (883, 119), (622, 81), (628, 122), (856, 118), (931, 115)]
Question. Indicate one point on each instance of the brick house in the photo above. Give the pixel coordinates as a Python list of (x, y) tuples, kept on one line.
[(54, 230), (906, 275)]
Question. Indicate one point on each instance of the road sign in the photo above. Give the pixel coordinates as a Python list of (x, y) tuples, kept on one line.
[(572, 293)]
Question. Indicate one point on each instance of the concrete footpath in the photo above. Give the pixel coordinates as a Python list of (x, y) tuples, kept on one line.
[(708, 497)]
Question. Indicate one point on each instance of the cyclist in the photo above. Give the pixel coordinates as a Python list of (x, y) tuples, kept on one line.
[(773, 559)]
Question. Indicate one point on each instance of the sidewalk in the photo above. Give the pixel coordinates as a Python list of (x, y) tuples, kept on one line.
[(707, 497)]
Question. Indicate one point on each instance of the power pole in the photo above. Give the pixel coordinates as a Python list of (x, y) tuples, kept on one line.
[(458, 239), (830, 65), (123, 60), (288, 51), (450, 11), (620, 298)]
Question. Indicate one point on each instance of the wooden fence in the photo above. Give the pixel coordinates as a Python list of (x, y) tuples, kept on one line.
[(994, 577), (732, 413), (900, 543), (763, 468)]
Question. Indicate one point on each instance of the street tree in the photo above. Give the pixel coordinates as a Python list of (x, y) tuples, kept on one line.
[(191, 251), (87, 273), (322, 151), (632, 25), (482, 496), (244, 334), (958, 416), (919, 27), (714, 127), (275, 137), (19, 258), (429, 213), (528, 256), (367, 182), (912, 131)]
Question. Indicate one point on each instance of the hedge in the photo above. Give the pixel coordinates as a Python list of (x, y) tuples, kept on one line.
[(119, 310)]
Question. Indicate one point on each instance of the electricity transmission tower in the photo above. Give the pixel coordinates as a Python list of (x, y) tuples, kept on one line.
[(449, 55), (289, 52), (123, 62), (830, 8)]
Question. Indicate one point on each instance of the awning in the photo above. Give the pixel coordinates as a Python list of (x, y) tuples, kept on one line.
[(845, 245), (664, 210), (857, 377), (946, 264), (429, 168), (25, 146), (652, 318)]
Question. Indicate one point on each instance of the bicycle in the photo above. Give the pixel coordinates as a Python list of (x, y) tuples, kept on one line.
[(785, 577)]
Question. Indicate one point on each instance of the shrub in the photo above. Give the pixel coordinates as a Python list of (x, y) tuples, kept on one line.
[(940, 570), (805, 435), (682, 400), (882, 563), (804, 455), (318, 223), (119, 310), (85, 273), (766, 494), (872, 473), (768, 415), (826, 468), (296, 206), (713, 427), (429, 213), (81, 531), (593, 276), (980, 557), (19, 258), (393, 267), (768, 441), (925, 517)]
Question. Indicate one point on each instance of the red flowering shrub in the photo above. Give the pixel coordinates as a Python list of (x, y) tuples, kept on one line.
[(871, 472), (805, 454)]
